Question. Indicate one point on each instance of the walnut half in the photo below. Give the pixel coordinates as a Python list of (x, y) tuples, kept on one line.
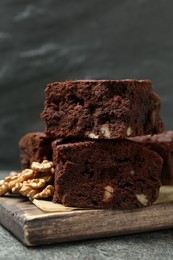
[(108, 194)]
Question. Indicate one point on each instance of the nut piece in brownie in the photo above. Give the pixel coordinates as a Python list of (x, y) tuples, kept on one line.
[(163, 145), (106, 174), (101, 109), (34, 147)]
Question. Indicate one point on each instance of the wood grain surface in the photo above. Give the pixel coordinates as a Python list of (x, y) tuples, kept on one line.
[(35, 227)]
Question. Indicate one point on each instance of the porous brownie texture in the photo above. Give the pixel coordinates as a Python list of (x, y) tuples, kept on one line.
[(101, 174), (101, 109), (34, 147), (163, 145)]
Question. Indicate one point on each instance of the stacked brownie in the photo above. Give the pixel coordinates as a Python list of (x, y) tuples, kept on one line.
[(96, 164)]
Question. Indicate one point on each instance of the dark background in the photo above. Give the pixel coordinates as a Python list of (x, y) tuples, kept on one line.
[(53, 40)]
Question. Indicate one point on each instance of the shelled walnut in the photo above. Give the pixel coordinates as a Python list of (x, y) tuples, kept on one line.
[(36, 182)]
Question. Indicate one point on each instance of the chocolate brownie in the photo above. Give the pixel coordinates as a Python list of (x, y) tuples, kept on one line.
[(163, 145), (100, 109), (117, 174), (34, 147)]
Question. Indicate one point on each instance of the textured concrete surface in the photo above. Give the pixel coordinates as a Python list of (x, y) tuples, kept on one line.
[(153, 245), (43, 41)]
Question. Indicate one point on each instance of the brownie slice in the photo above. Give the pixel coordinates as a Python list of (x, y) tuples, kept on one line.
[(100, 109), (34, 147), (163, 145), (117, 174)]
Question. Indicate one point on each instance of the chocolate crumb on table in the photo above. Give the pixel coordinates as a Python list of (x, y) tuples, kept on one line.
[(98, 109), (118, 174), (163, 145)]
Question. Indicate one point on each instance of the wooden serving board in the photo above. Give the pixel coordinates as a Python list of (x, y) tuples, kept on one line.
[(35, 227)]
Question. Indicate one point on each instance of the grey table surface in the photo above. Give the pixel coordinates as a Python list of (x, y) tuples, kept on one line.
[(150, 245)]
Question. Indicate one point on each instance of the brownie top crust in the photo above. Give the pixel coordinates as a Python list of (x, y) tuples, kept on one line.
[(92, 85), (128, 149), (31, 135), (28, 136)]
